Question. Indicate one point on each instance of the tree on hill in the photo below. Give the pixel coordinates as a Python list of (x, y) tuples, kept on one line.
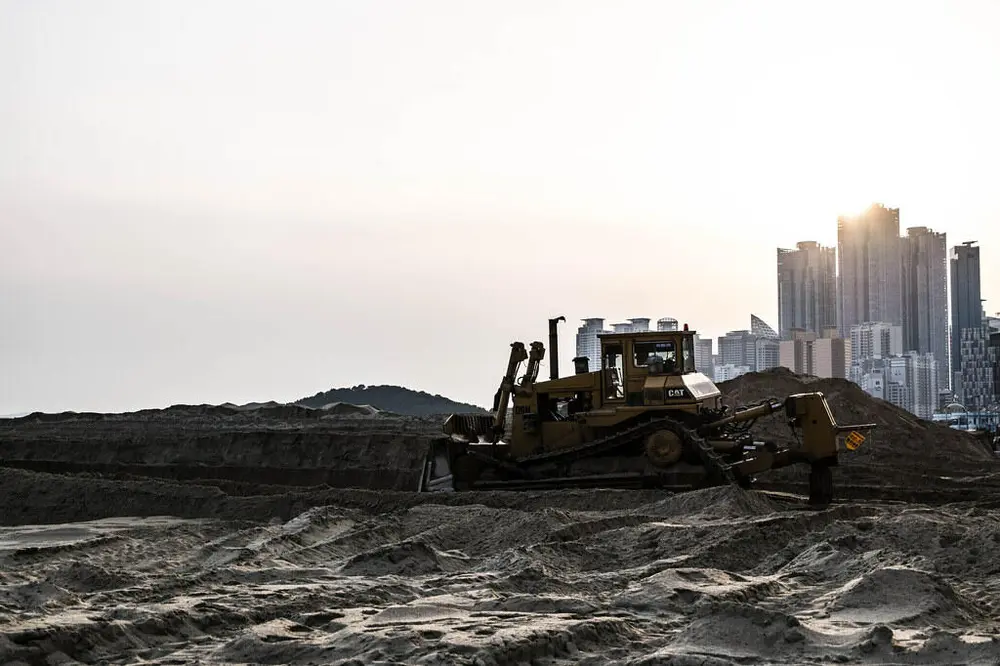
[(396, 399)]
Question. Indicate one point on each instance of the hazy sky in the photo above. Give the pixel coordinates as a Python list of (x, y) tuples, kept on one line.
[(211, 201)]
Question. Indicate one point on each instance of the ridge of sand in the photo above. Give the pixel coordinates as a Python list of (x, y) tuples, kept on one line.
[(719, 576)]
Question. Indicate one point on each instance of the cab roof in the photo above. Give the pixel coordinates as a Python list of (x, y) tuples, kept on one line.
[(644, 335)]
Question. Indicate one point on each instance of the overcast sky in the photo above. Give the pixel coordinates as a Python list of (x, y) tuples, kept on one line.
[(233, 200)]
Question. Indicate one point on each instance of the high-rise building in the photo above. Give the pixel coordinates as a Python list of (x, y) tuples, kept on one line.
[(703, 355), (587, 342), (966, 298), (899, 388), (756, 348), (979, 387), (738, 348), (807, 288), (922, 381), (767, 354), (765, 340), (761, 328), (666, 324), (870, 274), (925, 298)]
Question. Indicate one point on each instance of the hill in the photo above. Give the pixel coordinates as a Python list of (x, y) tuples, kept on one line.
[(396, 399)]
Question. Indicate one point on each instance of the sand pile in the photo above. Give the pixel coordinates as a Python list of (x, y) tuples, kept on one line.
[(900, 436), (720, 576)]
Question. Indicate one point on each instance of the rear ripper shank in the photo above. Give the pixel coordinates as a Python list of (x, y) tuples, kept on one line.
[(646, 418)]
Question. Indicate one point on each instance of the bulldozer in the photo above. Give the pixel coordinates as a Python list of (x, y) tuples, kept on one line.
[(646, 418)]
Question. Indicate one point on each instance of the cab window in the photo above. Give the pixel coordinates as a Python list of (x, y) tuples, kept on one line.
[(689, 354), (665, 349), (614, 372)]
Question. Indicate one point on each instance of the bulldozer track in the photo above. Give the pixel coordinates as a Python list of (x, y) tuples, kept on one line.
[(709, 458)]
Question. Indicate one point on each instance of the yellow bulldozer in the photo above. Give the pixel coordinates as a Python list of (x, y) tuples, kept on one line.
[(645, 418)]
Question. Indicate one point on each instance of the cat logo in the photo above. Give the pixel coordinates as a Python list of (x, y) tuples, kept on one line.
[(854, 440), (676, 393)]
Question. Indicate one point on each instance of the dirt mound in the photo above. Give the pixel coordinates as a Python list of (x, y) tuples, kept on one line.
[(347, 409), (81, 576), (900, 438), (902, 596), (713, 503)]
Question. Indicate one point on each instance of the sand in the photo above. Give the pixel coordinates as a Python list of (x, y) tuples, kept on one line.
[(718, 576), (272, 534)]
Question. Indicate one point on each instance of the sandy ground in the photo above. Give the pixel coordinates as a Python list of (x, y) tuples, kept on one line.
[(718, 576), (279, 535)]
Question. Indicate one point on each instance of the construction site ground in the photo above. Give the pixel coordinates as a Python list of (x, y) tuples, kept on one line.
[(285, 535)]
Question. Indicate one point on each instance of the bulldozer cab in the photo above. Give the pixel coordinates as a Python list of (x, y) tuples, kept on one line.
[(629, 359)]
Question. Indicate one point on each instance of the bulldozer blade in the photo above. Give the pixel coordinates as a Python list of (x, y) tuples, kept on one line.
[(436, 475)]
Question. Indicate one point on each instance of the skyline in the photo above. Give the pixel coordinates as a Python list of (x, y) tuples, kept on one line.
[(566, 329), (250, 201)]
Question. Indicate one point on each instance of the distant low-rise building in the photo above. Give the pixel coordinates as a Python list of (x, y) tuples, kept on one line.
[(796, 353), (908, 381), (876, 340), (723, 373), (831, 357)]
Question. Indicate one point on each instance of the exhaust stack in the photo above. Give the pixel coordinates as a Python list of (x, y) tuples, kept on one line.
[(554, 347)]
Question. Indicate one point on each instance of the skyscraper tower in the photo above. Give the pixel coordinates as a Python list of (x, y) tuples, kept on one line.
[(587, 342), (966, 297), (807, 288), (925, 297), (870, 279)]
